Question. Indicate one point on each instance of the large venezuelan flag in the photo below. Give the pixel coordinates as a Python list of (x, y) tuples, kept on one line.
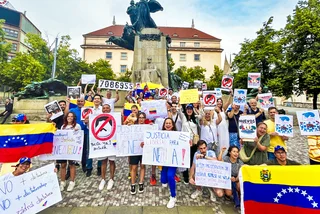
[(280, 189), (25, 140)]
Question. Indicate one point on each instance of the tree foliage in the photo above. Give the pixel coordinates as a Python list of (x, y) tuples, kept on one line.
[(215, 78), (191, 74), (4, 47)]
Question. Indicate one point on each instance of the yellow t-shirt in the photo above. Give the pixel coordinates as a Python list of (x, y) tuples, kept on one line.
[(314, 148), (274, 140)]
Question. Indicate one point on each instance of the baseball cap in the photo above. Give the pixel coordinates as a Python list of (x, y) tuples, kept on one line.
[(279, 148), (20, 117), (22, 161), (189, 106)]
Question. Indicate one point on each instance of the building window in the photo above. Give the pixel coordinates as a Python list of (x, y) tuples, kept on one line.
[(182, 44), (124, 56), (11, 33), (109, 43), (14, 47), (197, 57), (183, 57), (10, 58), (108, 55), (123, 68), (197, 44)]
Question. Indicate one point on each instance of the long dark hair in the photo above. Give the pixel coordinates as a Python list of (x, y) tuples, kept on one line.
[(174, 128), (192, 116), (65, 121), (138, 115), (230, 149), (221, 102)]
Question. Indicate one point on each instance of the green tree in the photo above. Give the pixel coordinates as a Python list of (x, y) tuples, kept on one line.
[(103, 70), (215, 78), (171, 64), (4, 47), (191, 74), (125, 77)]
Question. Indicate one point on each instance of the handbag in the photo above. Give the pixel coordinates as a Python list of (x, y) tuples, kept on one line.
[(242, 154), (212, 145), (195, 138)]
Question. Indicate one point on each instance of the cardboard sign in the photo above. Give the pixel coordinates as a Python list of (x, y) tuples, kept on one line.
[(129, 139), (240, 97), (88, 78), (102, 133), (218, 92), (284, 125), (185, 85), (254, 80), (209, 99), (163, 92), (74, 92), (265, 100), (166, 148), (189, 96), (198, 84), (210, 173), (31, 192), (247, 127), (116, 85), (54, 109), (154, 109), (67, 145), (309, 122), (85, 112), (204, 87), (227, 82)]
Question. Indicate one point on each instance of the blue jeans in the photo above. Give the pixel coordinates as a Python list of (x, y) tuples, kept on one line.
[(167, 177), (271, 156)]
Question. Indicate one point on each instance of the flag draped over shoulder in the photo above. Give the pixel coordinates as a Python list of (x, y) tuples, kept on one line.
[(280, 189), (25, 140)]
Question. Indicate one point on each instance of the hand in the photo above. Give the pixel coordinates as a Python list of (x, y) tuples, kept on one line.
[(218, 110), (117, 91), (256, 140), (199, 156), (190, 143), (68, 99), (233, 179), (246, 107), (76, 128), (231, 92), (284, 138), (241, 141), (233, 107), (86, 120), (49, 115), (223, 149), (261, 111), (191, 181), (142, 144), (55, 170)]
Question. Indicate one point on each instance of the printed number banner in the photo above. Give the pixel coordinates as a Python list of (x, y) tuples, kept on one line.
[(227, 81), (31, 192), (85, 112), (210, 173), (218, 92), (254, 80), (88, 78), (129, 139), (266, 100), (67, 145), (240, 97), (189, 96), (166, 148), (209, 99), (154, 109), (247, 127), (284, 125), (102, 132), (116, 85), (309, 122), (275, 189)]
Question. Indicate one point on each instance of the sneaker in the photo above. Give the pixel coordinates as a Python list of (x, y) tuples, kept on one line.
[(101, 185), (141, 188), (58, 167), (171, 202), (89, 172), (153, 180), (186, 180), (77, 164), (133, 190), (62, 185), (177, 179), (212, 195), (110, 184), (164, 185), (99, 171), (129, 176), (196, 193), (71, 186)]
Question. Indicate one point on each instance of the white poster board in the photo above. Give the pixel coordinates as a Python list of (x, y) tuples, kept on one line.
[(218, 92), (247, 127), (67, 145), (116, 85), (211, 173), (284, 125), (74, 92), (31, 192), (88, 78), (209, 99), (240, 97), (227, 82), (309, 122), (85, 112), (166, 148), (54, 109), (102, 134), (129, 139), (185, 85), (154, 109), (197, 84), (265, 100), (163, 92), (204, 87), (254, 80)]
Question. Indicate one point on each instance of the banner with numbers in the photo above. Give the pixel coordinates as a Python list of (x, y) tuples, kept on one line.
[(116, 85)]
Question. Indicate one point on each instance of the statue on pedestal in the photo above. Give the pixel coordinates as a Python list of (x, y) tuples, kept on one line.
[(150, 73)]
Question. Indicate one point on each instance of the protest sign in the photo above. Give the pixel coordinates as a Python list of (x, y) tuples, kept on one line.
[(284, 125), (154, 109), (189, 96), (227, 82), (129, 139), (218, 92), (166, 148), (239, 97), (265, 100), (309, 122), (31, 192), (185, 85), (197, 84), (204, 87), (67, 145), (102, 133), (209, 99), (85, 112), (211, 173), (54, 109), (138, 85), (88, 78), (115, 85), (163, 92), (247, 127), (74, 92), (254, 80)]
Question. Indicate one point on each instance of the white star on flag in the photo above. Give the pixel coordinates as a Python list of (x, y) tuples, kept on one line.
[(18, 137), (310, 198), (297, 190), (304, 193), (314, 204), (276, 200), (290, 189), (284, 191), (279, 195)]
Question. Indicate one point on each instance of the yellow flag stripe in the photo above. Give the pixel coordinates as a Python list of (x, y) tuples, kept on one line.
[(21, 129)]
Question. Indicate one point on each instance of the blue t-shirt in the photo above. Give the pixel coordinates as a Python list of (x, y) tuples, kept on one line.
[(233, 125), (209, 153), (77, 112)]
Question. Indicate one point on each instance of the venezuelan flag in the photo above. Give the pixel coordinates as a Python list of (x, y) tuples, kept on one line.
[(73, 104), (25, 140), (280, 189)]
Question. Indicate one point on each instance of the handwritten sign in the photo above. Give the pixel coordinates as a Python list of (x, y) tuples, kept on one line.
[(254, 80), (189, 96), (88, 78), (129, 139), (85, 112), (166, 148), (218, 92), (227, 81), (210, 173), (247, 127), (102, 133), (284, 125), (309, 122), (67, 145), (31, 192), (266, 100), (154, 109), (54, 109), (209, 99), (240, 96), (116, 85)]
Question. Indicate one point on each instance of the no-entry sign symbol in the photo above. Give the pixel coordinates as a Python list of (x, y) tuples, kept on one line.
[(209, 99), (103, 127), (86, 112), (226, 82), (163, 92)]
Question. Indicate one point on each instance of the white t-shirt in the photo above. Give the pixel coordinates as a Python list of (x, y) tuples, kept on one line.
[(70, 127), (110, 102), (178, 121), (7, 176), (97, 111)]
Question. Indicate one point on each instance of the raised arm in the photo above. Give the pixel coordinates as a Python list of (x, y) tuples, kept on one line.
[(117, 96)]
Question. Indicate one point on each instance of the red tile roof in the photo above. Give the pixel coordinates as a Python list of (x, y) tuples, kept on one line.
[(173, 32)]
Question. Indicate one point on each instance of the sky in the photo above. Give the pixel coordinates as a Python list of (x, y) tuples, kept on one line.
[(230, 20)]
